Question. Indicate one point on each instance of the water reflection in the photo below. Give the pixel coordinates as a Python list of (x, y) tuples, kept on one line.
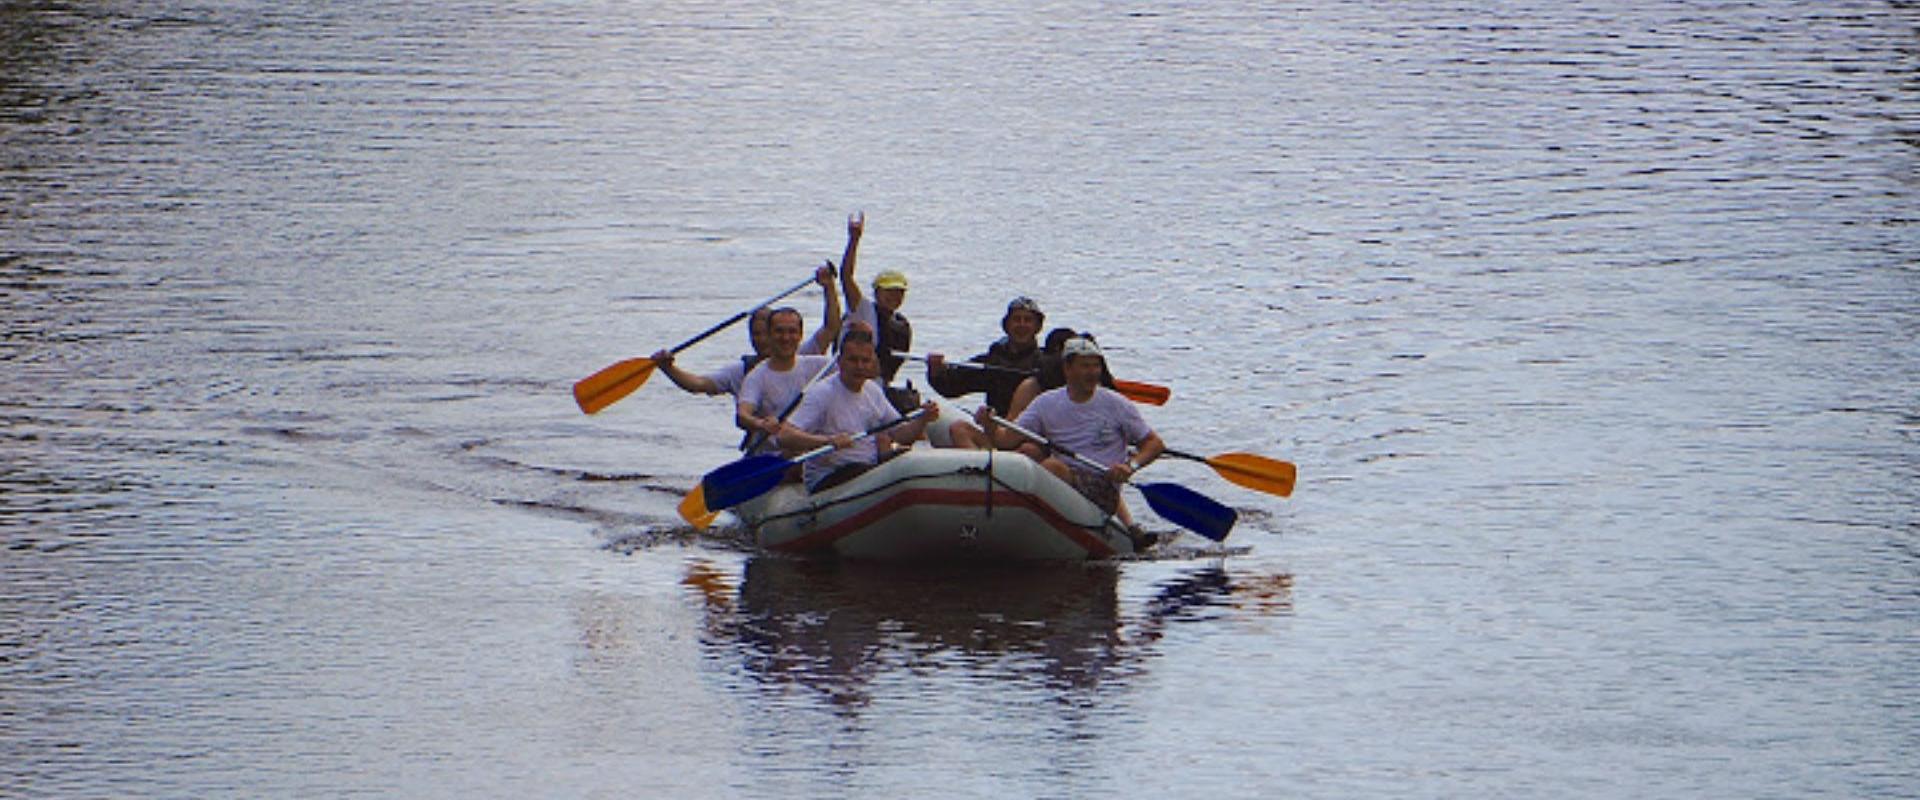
[(834, 627), (1214, 592)]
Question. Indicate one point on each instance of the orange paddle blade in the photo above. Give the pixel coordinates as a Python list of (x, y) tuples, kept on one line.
[(1148, 393), (606, 387), (694, 509), (1258, 473)]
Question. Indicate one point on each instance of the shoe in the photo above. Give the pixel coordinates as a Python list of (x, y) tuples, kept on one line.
[(1141, 538)]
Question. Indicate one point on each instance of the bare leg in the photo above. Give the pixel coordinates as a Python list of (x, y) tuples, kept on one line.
[(1022, 395), (1063, 472), (964, 436)]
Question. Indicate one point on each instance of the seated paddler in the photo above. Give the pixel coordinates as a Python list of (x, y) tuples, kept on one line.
[(996, 373), (842, 407)]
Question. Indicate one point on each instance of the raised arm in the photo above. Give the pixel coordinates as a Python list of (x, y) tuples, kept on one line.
[(856, 225), (829, 331)]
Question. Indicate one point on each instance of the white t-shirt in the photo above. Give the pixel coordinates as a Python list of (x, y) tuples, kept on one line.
[(864, 311), (730, 377), (769, 390), (1099, 429), (830, 408), (733, 376)]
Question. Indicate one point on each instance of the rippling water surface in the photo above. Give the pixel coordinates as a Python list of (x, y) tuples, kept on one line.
[(1589, 325)]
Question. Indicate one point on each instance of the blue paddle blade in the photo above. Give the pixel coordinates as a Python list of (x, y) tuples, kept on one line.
[(732, 484), (1183, 507)]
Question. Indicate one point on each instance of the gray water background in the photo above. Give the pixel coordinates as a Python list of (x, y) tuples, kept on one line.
[(1591, 327)]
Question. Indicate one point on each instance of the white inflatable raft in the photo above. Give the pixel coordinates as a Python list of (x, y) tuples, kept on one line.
[(931, 504)]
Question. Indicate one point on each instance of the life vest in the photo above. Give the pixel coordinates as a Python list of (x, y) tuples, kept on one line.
[(895, 336)]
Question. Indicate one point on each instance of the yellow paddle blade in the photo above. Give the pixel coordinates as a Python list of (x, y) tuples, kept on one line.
[(1258, 473), (694, 509), (1148, 393), (606, 387)]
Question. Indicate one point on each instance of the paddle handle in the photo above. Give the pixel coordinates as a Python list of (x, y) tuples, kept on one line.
[(1137, 391), (724, 324), (969, 364)]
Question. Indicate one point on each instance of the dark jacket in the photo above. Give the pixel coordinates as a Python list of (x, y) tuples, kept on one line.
[(895, 336), (1011, 367)]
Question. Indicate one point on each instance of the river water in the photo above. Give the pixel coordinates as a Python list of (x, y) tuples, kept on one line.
[(1590, 326)]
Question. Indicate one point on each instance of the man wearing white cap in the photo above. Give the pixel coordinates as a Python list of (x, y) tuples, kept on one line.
[(1089, 419)]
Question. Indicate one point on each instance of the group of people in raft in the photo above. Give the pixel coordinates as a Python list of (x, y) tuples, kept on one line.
[(790, 398)]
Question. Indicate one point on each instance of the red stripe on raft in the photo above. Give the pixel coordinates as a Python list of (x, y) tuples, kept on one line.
[(825, 537)]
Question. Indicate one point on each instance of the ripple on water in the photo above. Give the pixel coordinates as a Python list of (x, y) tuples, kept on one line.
[(1590, 330)]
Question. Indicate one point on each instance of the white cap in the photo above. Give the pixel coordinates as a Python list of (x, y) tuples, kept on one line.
[(1080, 346)]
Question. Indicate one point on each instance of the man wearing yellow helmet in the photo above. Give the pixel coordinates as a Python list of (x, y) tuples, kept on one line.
[(881, 312)]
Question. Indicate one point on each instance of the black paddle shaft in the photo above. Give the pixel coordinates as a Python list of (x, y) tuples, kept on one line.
[(737, 317)]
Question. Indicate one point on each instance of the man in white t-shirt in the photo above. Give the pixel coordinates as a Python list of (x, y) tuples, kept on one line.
[(842, 407), (768, 393), (1089, 419), (730, 378)]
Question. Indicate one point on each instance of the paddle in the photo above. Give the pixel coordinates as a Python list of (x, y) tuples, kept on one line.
[(1137, 391), (732, 484), (693, 508), (1178, 504), (1258, 473), (1144, 393), (606, 387)]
